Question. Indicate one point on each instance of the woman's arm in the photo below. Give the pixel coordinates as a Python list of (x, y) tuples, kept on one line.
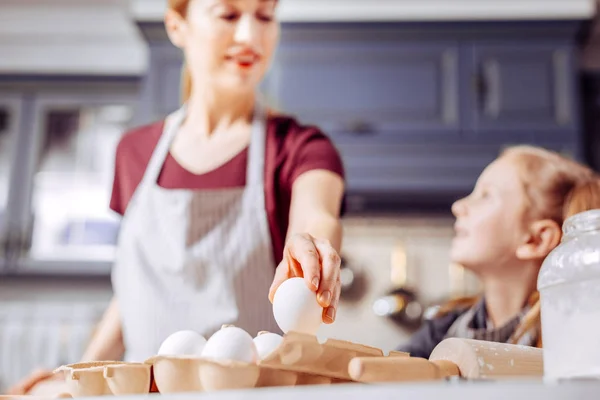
[(315, 207), (107, 342), (314, 238)]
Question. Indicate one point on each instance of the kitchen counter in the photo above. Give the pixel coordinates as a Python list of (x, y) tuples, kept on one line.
[(446, 391), (407, 10)]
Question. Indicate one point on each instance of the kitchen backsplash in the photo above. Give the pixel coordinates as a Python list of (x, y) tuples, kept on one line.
[(385, 251), (388, 251)]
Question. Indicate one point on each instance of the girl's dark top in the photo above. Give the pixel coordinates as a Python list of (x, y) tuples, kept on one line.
[(435, 330)]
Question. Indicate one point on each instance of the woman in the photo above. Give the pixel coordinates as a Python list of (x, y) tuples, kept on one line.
[(214, 194)]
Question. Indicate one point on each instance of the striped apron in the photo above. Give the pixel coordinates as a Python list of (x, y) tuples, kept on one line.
[(194, 259)]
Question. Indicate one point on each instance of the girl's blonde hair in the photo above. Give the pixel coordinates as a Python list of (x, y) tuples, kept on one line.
[(556, 188), (181, 7), (584, 197)]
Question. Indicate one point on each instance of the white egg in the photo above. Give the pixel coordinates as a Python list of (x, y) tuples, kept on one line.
[(182, 343), (266, 343), (231, 343), (295, 307)]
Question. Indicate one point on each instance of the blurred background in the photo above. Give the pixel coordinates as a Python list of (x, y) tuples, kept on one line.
[(418, 96)]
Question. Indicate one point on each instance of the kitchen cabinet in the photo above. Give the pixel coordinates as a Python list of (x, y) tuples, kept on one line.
[(360, 87), (521, 87), (417, 168), (417, 110), (10, 118), (54, 196), (68, 212)]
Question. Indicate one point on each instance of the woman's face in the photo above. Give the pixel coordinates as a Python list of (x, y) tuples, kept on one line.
[(228, 44)]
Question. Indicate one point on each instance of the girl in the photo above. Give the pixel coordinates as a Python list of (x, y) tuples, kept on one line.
[(503, 232), (584, 198)]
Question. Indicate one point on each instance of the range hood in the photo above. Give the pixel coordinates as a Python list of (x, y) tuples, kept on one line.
[(406, 10), (74, 37)]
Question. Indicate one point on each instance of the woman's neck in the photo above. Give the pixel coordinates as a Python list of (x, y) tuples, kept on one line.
[(507, 294), (209, 113)]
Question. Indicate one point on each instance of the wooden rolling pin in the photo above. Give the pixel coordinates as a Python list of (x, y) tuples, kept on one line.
[(469, 359)]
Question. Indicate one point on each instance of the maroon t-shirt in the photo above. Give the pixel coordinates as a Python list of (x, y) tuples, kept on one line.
[(291, 149)]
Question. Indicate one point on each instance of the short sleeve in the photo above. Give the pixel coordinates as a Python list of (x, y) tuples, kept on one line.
[(131, 159), (116, 198), (313, 150)]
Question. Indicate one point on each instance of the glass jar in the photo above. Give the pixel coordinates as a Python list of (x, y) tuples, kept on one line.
[(569, 286)]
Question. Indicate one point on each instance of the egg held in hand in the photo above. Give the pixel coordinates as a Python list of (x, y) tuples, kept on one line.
[(182, 343), (231, 343), (296, 309), (266, 343)]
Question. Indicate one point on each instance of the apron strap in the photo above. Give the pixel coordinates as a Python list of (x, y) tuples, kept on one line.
[(159, 155), (256, 150)]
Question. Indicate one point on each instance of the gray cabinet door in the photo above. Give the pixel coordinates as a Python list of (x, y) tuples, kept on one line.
[(421, 170), (413, 168), (363, 87), (521, 90)]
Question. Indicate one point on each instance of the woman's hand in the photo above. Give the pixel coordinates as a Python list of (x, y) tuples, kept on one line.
[(39, 376), (318, 263)]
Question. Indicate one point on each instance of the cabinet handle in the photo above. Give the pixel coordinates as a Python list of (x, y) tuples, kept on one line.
[(360, 128), (486, 85), (450, 90), (562, 93), (4, 246), (490, 89)]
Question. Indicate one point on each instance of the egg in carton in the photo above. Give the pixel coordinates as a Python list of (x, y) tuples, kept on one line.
[(228, 360), (189, 363), (231, 359)]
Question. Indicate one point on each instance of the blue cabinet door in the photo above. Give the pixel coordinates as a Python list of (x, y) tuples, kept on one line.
[(406, 169), (520, 90), (162, 88), (417, 170), (363, 87)]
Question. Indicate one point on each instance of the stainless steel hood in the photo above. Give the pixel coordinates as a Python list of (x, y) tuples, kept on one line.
[(75, 37)]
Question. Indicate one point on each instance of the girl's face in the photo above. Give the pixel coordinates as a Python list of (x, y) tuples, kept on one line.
[(491, 221), (228, 44)]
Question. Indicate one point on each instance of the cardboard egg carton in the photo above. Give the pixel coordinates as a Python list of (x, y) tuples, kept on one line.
[(299, 360), (107, 378)]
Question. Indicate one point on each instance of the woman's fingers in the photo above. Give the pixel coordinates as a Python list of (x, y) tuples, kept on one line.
[(329, 313), (319, 264), (330, 273), (302, 250), (25, 385)]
